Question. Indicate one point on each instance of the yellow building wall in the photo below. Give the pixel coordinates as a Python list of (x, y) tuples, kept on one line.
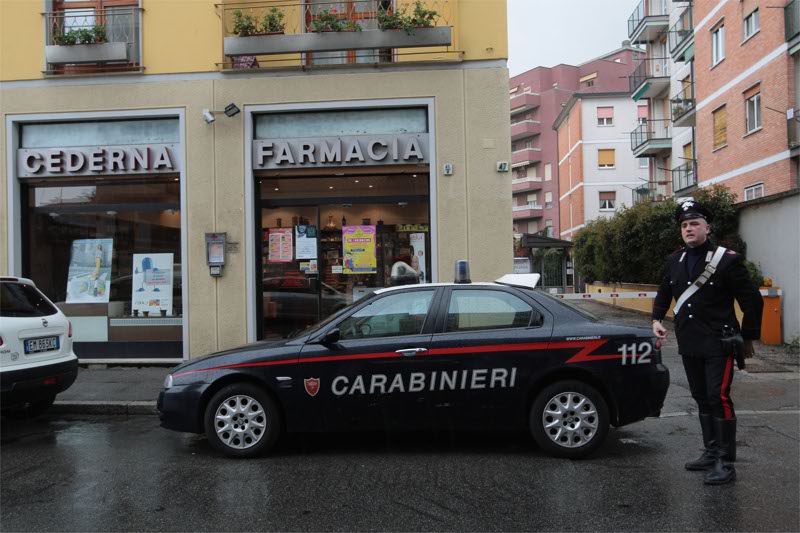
[(473, 214), (183, 36)]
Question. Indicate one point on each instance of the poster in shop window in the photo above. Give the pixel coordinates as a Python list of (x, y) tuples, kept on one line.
[(152, 284), (417, 241), (358, 243), (89, 276), (305, 242), (280, 245)]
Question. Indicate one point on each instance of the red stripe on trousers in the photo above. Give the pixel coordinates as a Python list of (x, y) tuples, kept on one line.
[(726, 401)]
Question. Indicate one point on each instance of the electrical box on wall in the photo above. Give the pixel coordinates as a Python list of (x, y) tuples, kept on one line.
[(215, 252)]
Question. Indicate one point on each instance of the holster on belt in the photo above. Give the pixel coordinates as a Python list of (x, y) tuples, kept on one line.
[(733, 345)]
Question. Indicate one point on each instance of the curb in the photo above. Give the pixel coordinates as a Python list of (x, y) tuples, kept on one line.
[(100, 407)]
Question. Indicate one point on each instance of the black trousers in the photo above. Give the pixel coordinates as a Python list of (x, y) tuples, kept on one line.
[(710, 383)]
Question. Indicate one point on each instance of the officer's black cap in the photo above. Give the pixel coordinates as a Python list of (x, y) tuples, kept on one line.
[(691, 209)]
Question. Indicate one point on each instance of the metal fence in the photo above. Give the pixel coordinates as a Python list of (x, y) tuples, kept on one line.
[(681, 31), (683, 102), (684, 176), (651, 130), (646, 8), (656, 67)]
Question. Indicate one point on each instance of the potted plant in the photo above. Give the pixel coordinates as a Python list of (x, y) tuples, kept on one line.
[(272, 23), (399, 19), (84, 45), (329, 20), (244, 25)]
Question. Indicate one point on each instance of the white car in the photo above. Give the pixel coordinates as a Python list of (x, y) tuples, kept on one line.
[(36, 357)]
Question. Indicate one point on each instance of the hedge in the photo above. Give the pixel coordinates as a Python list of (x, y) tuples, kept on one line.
[(631, 246)]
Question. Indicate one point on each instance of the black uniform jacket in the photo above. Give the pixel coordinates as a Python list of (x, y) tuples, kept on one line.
[(699, 323)]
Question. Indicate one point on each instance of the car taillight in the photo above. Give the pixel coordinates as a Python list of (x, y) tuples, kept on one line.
[(69, 333)]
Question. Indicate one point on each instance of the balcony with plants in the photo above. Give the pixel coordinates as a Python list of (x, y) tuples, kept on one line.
[(648, 20), (683, 107), (296, 34), (681, 37), (93, 41)]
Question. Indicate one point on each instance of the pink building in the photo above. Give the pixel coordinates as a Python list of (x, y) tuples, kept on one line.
[(537, 98)]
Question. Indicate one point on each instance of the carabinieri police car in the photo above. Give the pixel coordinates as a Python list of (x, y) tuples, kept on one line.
[(456, 355)]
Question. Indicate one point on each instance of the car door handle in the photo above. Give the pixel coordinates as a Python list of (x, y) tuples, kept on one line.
[(408, 352)]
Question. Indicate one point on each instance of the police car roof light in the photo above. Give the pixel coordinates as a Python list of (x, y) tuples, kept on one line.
[(462, 271)]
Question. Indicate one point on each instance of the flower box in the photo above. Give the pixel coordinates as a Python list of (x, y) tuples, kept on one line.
[(333, 41), (86, 53)]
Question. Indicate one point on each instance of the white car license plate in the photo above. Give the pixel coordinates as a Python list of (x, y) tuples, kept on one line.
[(45, 344)]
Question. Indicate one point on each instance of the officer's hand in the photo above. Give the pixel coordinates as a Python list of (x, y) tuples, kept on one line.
[(659, 330), (748, 350)]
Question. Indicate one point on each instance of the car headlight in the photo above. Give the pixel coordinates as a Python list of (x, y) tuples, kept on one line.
[(168, 381)]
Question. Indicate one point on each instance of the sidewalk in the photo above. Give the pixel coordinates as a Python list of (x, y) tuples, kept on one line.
[(121, 390)]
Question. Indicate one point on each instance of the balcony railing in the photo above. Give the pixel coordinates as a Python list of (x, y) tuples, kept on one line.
[(682, 103), (649, 192), (92, 41), (651, 130), (791, 18), (646, 8), (681, 32), (293, 33), (684, 176), (657, 67)]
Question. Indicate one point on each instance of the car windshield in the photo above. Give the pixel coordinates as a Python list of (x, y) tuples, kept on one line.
[(573, 307), (20, 300)]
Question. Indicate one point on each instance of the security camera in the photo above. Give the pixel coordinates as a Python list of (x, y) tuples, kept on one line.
[(208, 117)]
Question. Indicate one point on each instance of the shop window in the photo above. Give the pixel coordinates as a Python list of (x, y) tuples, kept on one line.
[(753, 112), (751, 25), (608, 201), (605, 116), (717, 44), (606, 158), (753, 192), (720, 119)]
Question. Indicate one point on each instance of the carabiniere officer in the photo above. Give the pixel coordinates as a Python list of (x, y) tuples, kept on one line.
[(699, 325)]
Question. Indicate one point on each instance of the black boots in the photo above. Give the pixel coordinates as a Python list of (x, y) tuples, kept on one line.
[(706, 461), (723, 471)]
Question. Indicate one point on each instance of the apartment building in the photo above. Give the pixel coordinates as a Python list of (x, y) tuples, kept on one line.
[(598, 172), (184, 177), (537, 98)]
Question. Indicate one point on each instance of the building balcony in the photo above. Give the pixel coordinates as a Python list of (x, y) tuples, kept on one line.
[(526, 185), (791, 20), (650, 18), (525, 157), (297, 35), (684, 177), (649, 192), (793, 132), (531, 210), (525, 102), (683, 107), (652, 138), (650, 78), (681, 37), (93, 41), (525, 128)]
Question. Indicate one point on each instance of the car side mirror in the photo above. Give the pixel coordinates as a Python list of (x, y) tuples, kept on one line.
[(331, 338)]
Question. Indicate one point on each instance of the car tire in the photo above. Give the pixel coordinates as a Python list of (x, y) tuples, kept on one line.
[(242, 420), (569, 419), (32, 409)]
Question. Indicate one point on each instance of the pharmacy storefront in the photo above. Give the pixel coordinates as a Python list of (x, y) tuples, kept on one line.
[(342, 206), (96, 211)]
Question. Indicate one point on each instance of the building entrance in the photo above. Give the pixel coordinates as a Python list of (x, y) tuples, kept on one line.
[(326, 242)]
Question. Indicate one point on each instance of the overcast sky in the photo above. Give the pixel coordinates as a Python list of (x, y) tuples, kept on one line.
[(549, 32)]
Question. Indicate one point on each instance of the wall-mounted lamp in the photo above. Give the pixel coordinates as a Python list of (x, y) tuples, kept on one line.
[(230, 111)]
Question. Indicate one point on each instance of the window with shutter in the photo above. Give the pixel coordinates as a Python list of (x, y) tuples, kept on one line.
[(608, 199), (720, 127), (605, 158), (605, 116), (548, 172), (642, 114)]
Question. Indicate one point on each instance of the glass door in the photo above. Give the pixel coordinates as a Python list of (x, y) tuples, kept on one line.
[(290, 284)]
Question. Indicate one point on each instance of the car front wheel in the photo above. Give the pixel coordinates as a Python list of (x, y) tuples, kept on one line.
[(242, 420), (569, 419)]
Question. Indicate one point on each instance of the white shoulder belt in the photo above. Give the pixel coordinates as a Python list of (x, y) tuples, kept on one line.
[(711, 267)]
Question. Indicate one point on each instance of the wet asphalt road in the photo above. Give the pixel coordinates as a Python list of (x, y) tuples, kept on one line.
[(98, 473)]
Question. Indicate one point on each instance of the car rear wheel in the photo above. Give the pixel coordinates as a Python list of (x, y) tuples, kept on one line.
[(569, 419), (242, 420)]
